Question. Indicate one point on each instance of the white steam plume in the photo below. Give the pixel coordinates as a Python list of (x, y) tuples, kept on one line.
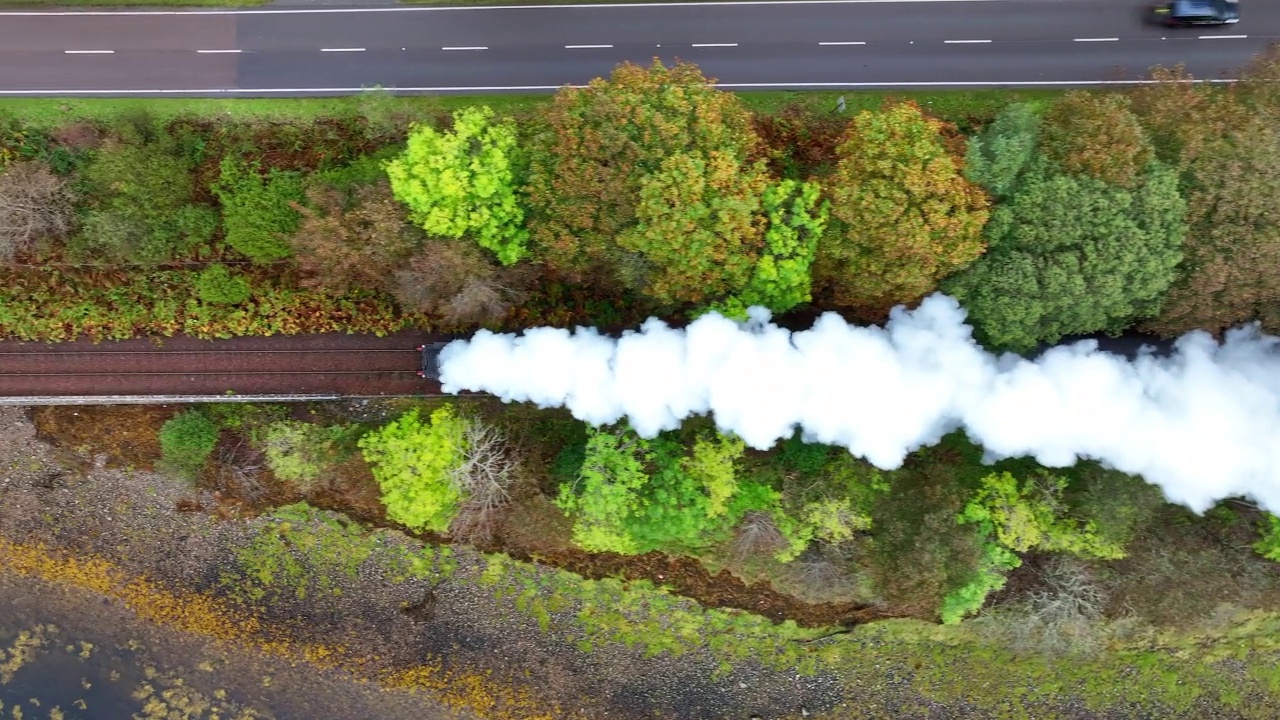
[(1202, 423)]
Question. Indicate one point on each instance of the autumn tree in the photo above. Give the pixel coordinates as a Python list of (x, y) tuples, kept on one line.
[(1231, 267), (625, 160), (35, 205), (1070, 254), (903, 216), (463, 182), (698, 228), (1180, 115), (1097, 135), (351, 240)]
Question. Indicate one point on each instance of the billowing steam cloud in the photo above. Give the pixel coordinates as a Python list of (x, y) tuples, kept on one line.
[(1202, 423)]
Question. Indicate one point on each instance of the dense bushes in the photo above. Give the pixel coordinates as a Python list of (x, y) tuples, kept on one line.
[(187, 441), (651, 192)]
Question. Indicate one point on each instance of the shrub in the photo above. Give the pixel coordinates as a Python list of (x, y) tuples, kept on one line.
[(258, 212), (415, 463), (35, 205), (1019, 516), (140, 208), (634, 496), (350, 239), (453, 280), (297, 452), (216, 285), (186, 441)]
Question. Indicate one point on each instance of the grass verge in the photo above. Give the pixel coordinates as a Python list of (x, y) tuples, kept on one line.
[(959, 106)]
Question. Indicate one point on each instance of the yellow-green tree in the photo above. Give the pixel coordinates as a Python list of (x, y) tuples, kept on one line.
[(903, 216), (415, 463), (463, 183)]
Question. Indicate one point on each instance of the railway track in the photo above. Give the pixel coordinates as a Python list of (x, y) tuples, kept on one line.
[(337, 365)]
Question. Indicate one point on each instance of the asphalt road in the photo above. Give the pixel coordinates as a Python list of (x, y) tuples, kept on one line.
[(830, 44)]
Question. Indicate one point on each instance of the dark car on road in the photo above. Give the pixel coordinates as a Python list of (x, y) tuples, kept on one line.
[(430, 365), (1188, 13)]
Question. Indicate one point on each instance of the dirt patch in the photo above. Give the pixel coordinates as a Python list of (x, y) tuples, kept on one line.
[(128, 435)]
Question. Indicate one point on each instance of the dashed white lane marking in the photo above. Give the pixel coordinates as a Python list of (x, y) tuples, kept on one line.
[(89, 52), (1223, 37), (1097, 39), (715, 45), (216, 52), (851, 42), (964, 42), (585, 47), (475, 47), (466, 8), (341, 49)]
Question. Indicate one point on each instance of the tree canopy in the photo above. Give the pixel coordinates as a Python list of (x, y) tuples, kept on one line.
[(648, 180), (903, 215), (463, 183), (1068, 253)]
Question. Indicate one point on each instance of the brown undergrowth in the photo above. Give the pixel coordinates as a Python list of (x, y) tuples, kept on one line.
[(119, 433)]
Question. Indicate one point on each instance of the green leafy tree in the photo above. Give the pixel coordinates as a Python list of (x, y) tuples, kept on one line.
[(464, 182), (217, 286), (258, 211), (614, 469), (1096, 134), (1072, 255), (782, 277), (712, 465), (186, 441), (1015, 516), (415, 463), (1268, 546), (997, 155), (903, 216), (634, 496), (598, 144)]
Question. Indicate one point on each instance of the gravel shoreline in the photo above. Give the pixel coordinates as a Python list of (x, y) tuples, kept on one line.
[(53, 496)]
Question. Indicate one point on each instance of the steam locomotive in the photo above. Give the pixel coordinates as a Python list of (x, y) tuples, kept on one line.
[(429, 365)]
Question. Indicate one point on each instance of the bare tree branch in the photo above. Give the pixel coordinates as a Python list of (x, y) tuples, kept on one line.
[(35, 204)]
